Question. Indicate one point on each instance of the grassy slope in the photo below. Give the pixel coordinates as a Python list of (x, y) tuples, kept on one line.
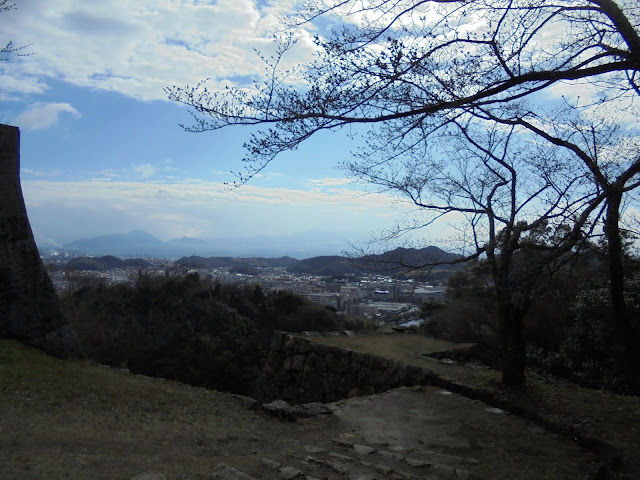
[(70, 420), (610, 417)]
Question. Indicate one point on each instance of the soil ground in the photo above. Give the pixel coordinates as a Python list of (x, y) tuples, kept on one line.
[(71, 420)]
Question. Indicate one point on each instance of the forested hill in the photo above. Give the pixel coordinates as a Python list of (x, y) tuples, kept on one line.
[(399, 260), (220, 262)]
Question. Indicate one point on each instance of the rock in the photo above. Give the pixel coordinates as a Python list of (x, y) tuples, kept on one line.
[(414, 462), (271, 463), (338, 467), (385, 470), (314, 449), (344, 458), (289, 472), (495, 410), (281, 410), (447, 471), (363, 449), (224, 472), (391, 455), (343, 442), (150, 475), (396, 448)]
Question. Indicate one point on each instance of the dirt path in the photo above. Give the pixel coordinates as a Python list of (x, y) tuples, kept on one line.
[(446, 431)]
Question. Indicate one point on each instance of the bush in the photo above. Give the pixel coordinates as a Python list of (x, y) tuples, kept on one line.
[(178, 326)]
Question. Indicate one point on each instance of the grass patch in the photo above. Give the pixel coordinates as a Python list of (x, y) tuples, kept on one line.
[(408, 349), (68, 419)]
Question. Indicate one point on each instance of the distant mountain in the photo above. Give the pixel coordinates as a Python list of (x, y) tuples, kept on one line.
[(136, 243), (188, 242), (198, 253), (326, 266), (394, 261), (139, 243), (408, 259)]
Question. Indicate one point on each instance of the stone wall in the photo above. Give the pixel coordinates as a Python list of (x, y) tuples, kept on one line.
[(300, 371), (29, 307)]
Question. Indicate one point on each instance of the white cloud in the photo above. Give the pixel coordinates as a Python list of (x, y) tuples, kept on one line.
[(330, 182), (145, 171), (199, 208), (138, 48), (40, 116)]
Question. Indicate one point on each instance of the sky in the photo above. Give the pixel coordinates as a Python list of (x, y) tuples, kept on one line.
[(102, 150)]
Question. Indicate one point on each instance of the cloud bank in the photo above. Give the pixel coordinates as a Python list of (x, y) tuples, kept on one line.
[(66, 210), (138, 48)]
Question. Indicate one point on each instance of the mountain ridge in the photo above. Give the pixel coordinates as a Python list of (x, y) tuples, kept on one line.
[(138, 243)]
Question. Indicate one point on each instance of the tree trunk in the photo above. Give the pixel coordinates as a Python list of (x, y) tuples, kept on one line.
[(29, 306), (510, 319), (513, 354), (615, 259), (625, 341)]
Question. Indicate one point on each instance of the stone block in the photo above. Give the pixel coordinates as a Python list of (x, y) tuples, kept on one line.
[(314, 383), (331, 362), (315, 363), (331, 382), (364, 377), (294, 363), (344, 363)]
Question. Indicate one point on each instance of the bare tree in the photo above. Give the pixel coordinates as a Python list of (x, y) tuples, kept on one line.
[(506, 189), (563, 73), (9, 48)]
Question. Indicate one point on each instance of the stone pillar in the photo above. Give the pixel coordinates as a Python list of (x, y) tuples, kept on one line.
[(29, 306)]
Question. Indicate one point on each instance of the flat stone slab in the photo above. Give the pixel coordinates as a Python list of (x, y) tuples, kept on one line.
[(424, 433), (224, 472), (363, 449)]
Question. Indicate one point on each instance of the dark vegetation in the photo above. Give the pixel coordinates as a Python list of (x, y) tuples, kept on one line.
[(569, 325), (178, 325), (220, 262), (182, 327), (102, 264)]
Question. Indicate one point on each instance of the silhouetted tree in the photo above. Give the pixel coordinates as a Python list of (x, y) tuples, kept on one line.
[(415, 72)]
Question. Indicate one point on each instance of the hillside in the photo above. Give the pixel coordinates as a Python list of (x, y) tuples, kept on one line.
[(108, 262), (396, 261), (72, 420), (195, 261)]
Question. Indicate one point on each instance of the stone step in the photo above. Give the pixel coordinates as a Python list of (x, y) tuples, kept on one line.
[(366, 462)]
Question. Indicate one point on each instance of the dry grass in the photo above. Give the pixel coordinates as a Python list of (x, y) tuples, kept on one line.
[(408, 349), (71, 420)]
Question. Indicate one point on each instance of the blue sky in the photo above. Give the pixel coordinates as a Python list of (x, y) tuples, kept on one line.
[(102, 151)]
